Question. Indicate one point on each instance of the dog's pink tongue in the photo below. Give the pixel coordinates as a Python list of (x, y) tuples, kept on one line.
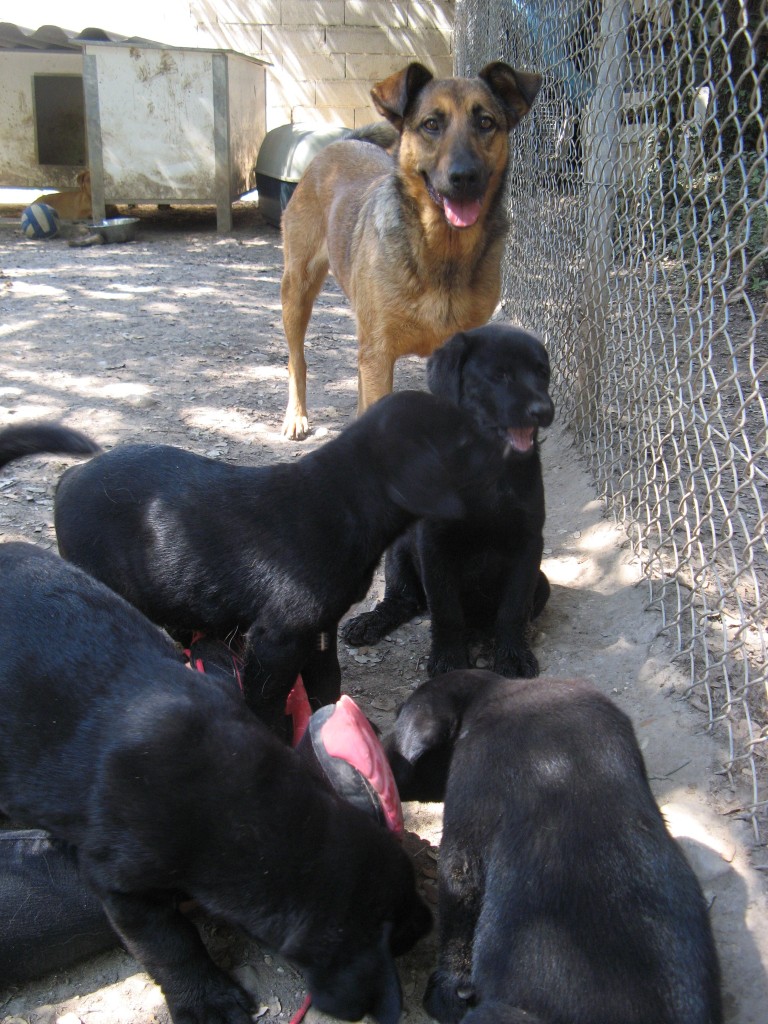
[(461, 215), (521, 438)]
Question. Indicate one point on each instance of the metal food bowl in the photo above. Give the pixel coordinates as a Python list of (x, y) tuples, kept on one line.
[(116, 229)]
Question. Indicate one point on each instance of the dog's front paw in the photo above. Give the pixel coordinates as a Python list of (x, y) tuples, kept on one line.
[(446, 659), (295, 425), (516, 662), (216, 999), (448, 996), (364, 629)]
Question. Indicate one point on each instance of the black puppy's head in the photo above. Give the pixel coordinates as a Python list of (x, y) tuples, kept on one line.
[(366, 982), (500, 376), (420, 746), (360, 977)]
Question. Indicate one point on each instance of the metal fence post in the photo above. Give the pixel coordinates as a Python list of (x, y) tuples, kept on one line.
[(601, 127)]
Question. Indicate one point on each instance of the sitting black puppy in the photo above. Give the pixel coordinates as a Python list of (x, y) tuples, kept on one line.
[(167, 786), (484, 568), (278, 552), (561, 893)]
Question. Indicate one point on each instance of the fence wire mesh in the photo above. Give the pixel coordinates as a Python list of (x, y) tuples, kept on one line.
[(638, 249)]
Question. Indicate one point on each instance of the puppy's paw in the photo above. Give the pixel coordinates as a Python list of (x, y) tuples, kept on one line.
[(448, 996), (364, 629), (215, 999), (446, 660), (516, 662)]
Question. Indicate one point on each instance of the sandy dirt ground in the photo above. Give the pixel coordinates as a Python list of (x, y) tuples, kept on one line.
[(176, 338)]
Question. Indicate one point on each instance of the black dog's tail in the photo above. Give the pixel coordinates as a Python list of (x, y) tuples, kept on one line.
[(42, 438), (380, 133)]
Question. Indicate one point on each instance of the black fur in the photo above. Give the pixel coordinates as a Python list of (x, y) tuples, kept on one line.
[(561, 892), (281, 551), (167, 786), (38, 438), (484, 568), (48, 918)]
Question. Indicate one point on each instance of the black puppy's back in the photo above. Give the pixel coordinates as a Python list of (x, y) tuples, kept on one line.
[(584, 907), (279, 552)]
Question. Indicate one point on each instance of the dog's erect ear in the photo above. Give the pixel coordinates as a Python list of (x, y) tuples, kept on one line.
[(516, 89), (394, 95), (444, 368)]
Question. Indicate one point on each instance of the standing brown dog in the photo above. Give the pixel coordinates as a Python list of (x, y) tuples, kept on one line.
[(414, 240)]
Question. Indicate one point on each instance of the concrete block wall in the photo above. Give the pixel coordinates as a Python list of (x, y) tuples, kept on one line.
[(326, 54)]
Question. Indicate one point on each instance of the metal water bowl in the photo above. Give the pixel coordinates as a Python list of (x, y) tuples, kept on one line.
[(116, 229)]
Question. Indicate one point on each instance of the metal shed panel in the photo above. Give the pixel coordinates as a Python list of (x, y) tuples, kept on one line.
[(164, 124), (156, 119), (171, 125), (247, 120), (19, 165)]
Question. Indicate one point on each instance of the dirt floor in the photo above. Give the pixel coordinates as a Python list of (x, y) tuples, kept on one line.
[(176, 337)]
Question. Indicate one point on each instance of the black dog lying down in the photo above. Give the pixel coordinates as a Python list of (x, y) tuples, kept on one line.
[(561, 893), (37, 438), (167, 785), (279, 552), (484, 568), (48, 918)]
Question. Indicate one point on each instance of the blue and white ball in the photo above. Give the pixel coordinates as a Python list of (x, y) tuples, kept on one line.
[(40, 221)]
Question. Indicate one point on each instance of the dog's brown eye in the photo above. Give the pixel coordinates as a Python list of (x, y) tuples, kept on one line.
[(431, 124), (486, 123)]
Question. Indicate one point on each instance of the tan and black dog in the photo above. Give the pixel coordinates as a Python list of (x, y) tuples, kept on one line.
[(415, 239)]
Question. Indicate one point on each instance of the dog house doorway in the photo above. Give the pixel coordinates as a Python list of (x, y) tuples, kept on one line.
[(60, 120)]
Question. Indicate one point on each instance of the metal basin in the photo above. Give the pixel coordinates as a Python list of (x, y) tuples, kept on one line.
[(116, 229)]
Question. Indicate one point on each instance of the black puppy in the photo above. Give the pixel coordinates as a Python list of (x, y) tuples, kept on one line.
[(38, 438), (279, 552), (561, 893), (484, 568), (49, 919), (168, 786)]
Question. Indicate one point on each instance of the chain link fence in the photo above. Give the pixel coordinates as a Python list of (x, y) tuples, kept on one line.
[(638, 250)]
